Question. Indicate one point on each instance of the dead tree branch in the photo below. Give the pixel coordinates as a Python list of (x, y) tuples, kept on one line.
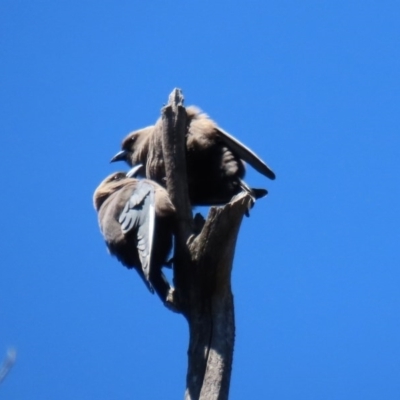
[(202, 267)]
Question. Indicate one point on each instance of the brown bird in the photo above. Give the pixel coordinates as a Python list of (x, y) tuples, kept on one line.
[(136, 218), (214, 159)]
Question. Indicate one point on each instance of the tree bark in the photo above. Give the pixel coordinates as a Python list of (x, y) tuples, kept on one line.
[(202, 267)]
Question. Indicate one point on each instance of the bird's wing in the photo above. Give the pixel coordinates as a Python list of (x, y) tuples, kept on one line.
[(245, 153), (139, 215)]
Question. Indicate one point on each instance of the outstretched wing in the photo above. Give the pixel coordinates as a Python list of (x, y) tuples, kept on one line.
[(245, 153), (138, 216)]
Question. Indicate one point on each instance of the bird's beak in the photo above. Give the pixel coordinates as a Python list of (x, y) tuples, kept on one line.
[(120, 156), (133, 172)]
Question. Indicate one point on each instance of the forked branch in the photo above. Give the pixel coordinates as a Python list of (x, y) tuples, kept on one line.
[(202, 267)]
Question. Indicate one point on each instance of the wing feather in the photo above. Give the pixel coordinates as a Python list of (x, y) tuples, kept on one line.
[(245, 153), (138, 216)]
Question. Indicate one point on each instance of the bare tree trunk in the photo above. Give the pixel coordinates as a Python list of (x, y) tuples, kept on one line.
[(202, 267)]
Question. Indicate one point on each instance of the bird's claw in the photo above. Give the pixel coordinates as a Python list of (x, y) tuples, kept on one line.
[(250, 206), (172, 302)]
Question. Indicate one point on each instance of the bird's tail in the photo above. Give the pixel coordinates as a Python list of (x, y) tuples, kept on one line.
[(254, 192), (258, 193)]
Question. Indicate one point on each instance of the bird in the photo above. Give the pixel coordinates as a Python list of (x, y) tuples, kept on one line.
[(214, 159), (137, 220)]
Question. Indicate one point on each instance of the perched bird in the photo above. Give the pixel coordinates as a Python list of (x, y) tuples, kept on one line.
[(136, 218), (214, 159)]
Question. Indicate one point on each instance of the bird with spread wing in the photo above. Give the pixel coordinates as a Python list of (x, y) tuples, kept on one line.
[(214, 159)]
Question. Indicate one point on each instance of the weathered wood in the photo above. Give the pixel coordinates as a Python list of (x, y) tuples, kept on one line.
[(202, 267), (213, 251), (173, 145)]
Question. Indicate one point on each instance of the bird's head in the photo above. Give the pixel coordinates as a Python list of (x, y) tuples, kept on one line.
[(108, 186), (135, 147)]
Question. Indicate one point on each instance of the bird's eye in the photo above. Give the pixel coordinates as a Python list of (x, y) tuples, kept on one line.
[(132, 139)]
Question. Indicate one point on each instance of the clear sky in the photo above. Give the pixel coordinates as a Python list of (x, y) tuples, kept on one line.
[(313, 87)]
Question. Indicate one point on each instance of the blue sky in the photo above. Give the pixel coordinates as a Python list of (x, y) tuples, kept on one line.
[(313, 87)]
